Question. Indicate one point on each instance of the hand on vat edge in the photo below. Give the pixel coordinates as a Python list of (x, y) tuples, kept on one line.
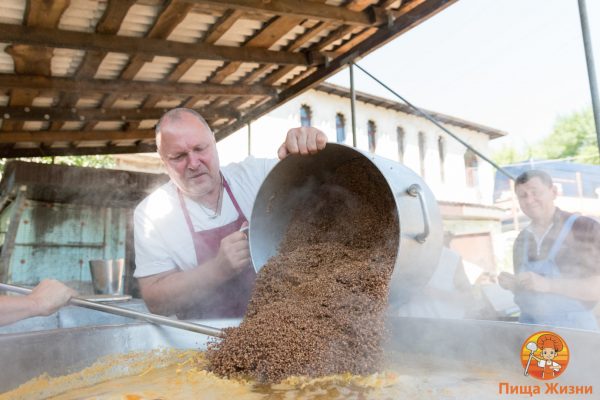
[(303, 140)]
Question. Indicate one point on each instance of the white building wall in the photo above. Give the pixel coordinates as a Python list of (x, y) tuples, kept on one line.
[(268, 132)]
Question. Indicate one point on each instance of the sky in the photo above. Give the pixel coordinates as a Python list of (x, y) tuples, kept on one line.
[(514, 65)]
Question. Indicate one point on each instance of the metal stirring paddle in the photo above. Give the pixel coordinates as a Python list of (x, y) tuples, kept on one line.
[(124, 312)]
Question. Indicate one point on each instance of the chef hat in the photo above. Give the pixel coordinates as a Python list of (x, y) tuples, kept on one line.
[(550, 341)]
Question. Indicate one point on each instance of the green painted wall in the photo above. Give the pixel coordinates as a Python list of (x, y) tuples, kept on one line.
[(57, 240)]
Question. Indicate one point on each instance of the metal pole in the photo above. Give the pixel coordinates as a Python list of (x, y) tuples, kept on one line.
[(353, 104), (125, 312), (249, 139), (589, 57), (436, 123)]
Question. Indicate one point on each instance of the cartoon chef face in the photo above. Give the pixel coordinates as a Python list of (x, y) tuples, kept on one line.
[(548, 353)]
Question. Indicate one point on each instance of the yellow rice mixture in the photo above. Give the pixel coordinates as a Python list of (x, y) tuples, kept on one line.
[(180, 374)]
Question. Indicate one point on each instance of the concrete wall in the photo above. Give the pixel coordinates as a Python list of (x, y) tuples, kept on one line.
[(268, 132)]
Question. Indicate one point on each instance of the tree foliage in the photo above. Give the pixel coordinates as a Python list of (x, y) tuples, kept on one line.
[(507, 155), (95, 161), (573, 137)]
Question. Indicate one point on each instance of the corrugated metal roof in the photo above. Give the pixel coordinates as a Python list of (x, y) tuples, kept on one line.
[(114, 66), (157, 69), (12, 11), (82, 15), (7, 65), (65, 62), (139, 20), (200, 71), (192, 27), (241, 30)]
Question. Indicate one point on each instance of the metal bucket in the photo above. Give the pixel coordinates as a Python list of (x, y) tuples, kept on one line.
[(107, 276), (418, 217)]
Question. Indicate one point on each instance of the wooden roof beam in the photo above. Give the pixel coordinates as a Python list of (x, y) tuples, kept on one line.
[(33, 59), (410, 18), (265, 38), (215, 32), (304, 9), (100, 114), (110, 23), (9, 81), (218, 29), (58, 38), (76, 151), (74, 136), (172, 14)]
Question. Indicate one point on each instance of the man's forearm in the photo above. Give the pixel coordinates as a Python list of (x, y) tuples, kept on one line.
[(14, 309), (584, 289), (171, 292)]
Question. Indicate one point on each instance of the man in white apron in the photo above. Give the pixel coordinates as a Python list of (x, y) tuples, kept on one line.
[(557, 273), (192, 259)]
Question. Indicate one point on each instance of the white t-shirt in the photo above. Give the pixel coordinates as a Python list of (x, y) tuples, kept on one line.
[(439, 298), (162, 237)]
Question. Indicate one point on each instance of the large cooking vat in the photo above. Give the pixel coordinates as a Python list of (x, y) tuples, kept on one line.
[(293, 180), (446, 358)]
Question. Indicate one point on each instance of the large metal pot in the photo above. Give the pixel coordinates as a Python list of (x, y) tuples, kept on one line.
[(291, 181), (440, 358)]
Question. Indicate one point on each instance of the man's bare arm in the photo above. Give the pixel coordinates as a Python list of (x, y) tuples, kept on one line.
[(172, 291), (45, 299), (584, 289)]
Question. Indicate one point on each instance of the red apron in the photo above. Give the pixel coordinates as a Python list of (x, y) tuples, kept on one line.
[(548, 372), (230, 299)]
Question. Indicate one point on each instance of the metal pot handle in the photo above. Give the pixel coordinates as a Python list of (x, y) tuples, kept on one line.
[(415, 190)]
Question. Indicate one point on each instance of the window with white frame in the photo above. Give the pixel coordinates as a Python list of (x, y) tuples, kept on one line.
[(442, 155), (422, 151), (471, 167), (305, 115), (340, 127), (400, 137), (372, 132)]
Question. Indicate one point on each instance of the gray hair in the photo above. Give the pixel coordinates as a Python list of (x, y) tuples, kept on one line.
[(175, 114), (534, 173)]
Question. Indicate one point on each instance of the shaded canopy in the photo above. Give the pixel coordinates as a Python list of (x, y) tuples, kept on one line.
[(93, 76)]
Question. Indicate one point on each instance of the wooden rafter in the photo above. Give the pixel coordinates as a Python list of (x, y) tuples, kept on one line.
[(326, 37), (265, 38), (30, 58), (218, 29), (149, 46), (408, 19), (8, 81), (301, 8), (75, 136), (111, 20), (173, 13), (45, 151), (99, 114)]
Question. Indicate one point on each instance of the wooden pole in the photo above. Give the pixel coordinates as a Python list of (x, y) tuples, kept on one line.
[(11, 234)]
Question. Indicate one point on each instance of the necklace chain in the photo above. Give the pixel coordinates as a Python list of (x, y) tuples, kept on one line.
[(217, 212)]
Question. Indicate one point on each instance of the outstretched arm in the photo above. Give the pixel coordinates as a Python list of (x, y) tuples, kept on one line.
[(584, 289), (45, 299)]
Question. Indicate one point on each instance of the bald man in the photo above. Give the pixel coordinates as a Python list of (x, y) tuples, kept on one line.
[(192, 256)]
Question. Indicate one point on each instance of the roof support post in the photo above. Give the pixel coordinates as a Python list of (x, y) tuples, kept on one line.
[(353, 104), (589, 57), (249, 138)]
